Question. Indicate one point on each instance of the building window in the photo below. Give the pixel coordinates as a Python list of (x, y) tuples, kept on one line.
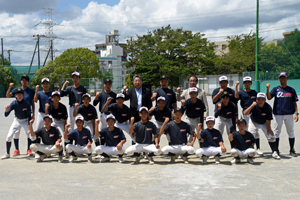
[(216, 47), (223, 46)]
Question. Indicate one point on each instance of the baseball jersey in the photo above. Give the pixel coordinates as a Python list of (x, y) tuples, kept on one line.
[(230, 92), (144, 132), (169, 95), (81, 138), (112, 138), (260, 115), (243, 142), (102, 100), (88, 113), (247, 98), (228, 111), (75, 94), (211, 138), (121, 115), (284, 100), (59, 113), (194, 110), (43, 99), (21, 108), (48, 137), (28, 94), (178, 132), (161, 115)]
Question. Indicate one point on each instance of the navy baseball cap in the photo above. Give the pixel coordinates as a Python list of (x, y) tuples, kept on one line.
[(241, 121), (225, 93), (164, 77), (177, 110), (282, 74), (20, 90), (107, 80), (25, 76)]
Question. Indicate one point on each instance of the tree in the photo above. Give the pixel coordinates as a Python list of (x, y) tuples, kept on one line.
[(6, 62), (6, 77), (170, 52)]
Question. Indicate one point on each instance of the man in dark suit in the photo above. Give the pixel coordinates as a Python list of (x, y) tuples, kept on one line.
[(139, 96)]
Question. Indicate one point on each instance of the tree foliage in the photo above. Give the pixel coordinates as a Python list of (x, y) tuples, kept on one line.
[(6, 62), (6, 77)]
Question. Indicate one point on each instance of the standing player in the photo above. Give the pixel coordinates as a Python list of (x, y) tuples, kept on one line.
[(75, 93), (261, 116), (114, 138), (22, 116), (164, 91), (285, 105), (51, 138), (216, 95), (243, 143), (143, 131), (212, 141), (178, 131), (28, 97)]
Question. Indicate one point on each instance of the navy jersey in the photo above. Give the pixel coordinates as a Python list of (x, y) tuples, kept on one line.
[(28, 94), (43, 99), (112, 138), (247, 98), (243, 142), (230, 92), (81, 138), (88, 113), (161, 115), (144, 132), (102, 100), (194, 110), (228, 111), (169, 95), (284, 100), (211, 138), (58, 113), (260, 115), (48, 137), (21, 108), (121, 115), (178, 132), (75, 94)]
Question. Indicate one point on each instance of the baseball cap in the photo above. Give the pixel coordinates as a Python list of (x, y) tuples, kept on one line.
[(161, 98), (210, 118), (79, 117), (282, 74), (86, 95), (143, 108), (164, 77), (76, 74), (247, 78), (261, 95), (225, 93), (45, 79), (48, 116), (25, 76), (110, 116), (107, 80), (241, 121), (120, 95), (223, 78), (193, 89), (55, 93), (20, 90), (177, 110)]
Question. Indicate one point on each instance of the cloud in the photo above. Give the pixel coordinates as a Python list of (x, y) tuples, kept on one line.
[(24, 7)]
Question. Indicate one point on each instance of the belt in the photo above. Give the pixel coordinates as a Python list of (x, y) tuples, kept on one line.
[(88, 122), (22, 120), (122, 122), (106, 113)]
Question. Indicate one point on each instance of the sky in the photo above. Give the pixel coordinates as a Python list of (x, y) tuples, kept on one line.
[(83, 23)]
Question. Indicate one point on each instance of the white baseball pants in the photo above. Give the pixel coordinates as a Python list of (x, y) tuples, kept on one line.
[(15, 128), (193, 122), (243, 154), (254, 127), (40, 120), (178, 149), (110, 151), (247, 118), (221, 123), (208, 151), (78, 149), (289, 125), (103, 123), (125, 127), (138, 148), (46, 149), (72, 118), (58, 124)]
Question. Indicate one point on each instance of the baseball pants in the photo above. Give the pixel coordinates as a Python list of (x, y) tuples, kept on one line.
[(58, 123), (79, 150), (15, 128), (289, 125), (178, 149), (221, 123), (209, 151), (247, 118), (103, 121), (72, 118), (193, 122), (254, 127), (243, 154), (46, 149), (110, 151), (158, 126), (138, 148), (125, 127), (40, 120)]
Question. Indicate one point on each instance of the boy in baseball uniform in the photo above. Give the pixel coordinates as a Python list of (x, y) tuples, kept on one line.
[(22, 117), (284, 109), (83, 140), (143, 131), (243, 143), (114, 138), (260, 118), (178, 131), (217, 93), (51, 139), (212, 141)]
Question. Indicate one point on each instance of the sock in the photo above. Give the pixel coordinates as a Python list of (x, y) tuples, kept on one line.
[(73, 154), (89, 154), (97, 143), (28, 143), (105, 155), (273, 146), (102, 141), (277, 145), (133, 143), (231, 144), (8, 145), (257, 143), (120, 155), (292, 142), (16, 141)]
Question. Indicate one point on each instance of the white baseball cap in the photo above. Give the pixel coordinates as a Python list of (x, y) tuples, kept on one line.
[(143, 108), (55, 93), (45, 79), (193, 89), (48, 116), (86, 95), (79, 117), (247, 78), (261, 95), (120, 95), (210, 118), (76, 74), (161, 98), (110, 116), (223, 78)]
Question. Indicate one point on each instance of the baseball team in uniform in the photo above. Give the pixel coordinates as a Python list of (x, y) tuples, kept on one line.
[(53, 135)]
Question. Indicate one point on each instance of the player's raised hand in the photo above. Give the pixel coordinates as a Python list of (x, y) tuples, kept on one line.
[(182, 102), (124, 88), (254, 103), (200, 126), (31, 121), (219, 106), (76, 105), (237, 83), (37, 87), (109, 99), (268, 85), (221, 90), (66, 83), (97, 95), (6, 108), (67, 126), (97, 121), (178, 89), (11, 84)]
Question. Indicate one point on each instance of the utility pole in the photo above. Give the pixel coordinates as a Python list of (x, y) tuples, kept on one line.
[(257, 86), (8, 52), (51, 47), (38, 43), (2, 51)]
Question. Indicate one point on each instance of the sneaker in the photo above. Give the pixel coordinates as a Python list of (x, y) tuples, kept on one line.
[(90, 159), (5, 156), (146, 157), (211, 157), (121, 160), (41, 158), (16, 153), (293, 153), (60, 159), (99, 157), (259, 152), (67, 155), (235, 160), (217, 159), (185, 159), (204, 159), (73, 158), (36, 156), (179, 156), (137, 160), (275, 155), (151, 161), (105, 159), (250, 160), (29, 153), (172, 159)]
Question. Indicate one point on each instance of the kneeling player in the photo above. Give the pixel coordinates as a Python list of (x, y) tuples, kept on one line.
[(51, 139), (212, 142), (83, 140), (143, 131), (242, 143), (114, 139)]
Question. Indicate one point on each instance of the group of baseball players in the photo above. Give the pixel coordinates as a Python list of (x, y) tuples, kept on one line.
[(107, 132)]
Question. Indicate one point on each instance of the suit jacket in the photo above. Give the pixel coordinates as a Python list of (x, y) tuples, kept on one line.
[(146, 98)]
